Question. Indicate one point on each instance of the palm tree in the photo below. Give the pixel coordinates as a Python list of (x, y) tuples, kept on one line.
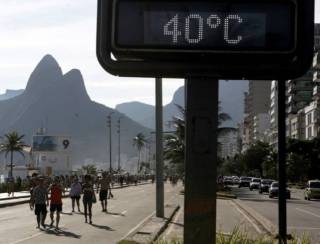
[(139, 142), (13, 143), (174, 150), (90, 169)]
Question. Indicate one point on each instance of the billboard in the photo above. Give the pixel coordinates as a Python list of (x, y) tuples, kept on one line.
[(46, 143)]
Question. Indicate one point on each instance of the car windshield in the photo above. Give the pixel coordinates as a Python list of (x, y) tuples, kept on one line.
[(256, 180), (246, 179), (275, 185), (266, 182), (315, 185)]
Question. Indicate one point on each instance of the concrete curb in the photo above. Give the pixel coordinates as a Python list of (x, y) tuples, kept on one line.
[(165, 226), (268, 227), (14, 203), (156, 233)]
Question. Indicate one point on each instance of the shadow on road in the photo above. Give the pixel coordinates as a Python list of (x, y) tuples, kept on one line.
[(103, 227), (62, 233)]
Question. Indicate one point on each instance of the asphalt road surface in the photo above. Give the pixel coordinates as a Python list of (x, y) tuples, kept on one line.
[(303, 216), (129, 207)]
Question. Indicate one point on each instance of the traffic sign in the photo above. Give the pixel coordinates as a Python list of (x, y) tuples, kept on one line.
[(234, 39)]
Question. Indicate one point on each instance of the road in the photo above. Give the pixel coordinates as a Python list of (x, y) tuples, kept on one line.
[(303, 216), (129, 207)]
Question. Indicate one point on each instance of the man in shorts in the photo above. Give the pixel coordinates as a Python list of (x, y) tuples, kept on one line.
[(104, 184), (56, 190), (40, 200)]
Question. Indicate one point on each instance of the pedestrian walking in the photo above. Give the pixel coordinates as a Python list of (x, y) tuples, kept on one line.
[(105, 187), (75, 193), (40, 200), (56, 190), (88, 198), (10, 185)]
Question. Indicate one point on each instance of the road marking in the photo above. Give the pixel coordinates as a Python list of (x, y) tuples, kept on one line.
[(247, 217), (138, 225), (33, 236), (308, 212), (303, 228), (122, 214), (27, 238)]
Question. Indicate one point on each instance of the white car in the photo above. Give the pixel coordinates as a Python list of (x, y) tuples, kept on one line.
[(255, 183)]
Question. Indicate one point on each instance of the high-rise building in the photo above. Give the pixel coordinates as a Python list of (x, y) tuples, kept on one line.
[(229, 144), (257, 101), (273, 111)]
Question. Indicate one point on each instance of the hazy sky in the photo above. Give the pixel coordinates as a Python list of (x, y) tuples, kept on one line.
[(29, 29)]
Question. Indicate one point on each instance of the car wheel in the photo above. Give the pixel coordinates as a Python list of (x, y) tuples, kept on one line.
[(270, 196)]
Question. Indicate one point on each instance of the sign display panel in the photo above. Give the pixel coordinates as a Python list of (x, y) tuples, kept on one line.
[(223, 39), (50, 143), (214, 26)]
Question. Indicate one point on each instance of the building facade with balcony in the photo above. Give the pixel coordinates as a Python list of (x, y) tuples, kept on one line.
[(260, 125)]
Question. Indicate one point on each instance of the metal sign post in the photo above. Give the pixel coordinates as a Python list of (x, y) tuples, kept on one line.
[(159, 151), (201, 160), (282, 176)]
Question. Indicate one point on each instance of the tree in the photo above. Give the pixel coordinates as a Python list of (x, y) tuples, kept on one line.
[(174, 151), (255, 157), (90, 169), (13, 143), (139, 142)]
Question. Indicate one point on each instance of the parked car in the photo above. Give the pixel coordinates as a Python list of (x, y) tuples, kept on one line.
[(254, 184), (312, 190), (236, 180), (265, 185), (274, 191), (245, 181), (227, 180)]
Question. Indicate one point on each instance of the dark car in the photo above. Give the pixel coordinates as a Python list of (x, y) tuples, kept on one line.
[(274, 191), (244, 181), (265, 185)]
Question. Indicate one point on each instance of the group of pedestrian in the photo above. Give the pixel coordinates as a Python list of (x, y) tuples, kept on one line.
[(40, 201)]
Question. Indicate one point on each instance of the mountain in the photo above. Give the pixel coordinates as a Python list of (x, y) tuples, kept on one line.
[(10, 94), (231, 101), (60, 103)]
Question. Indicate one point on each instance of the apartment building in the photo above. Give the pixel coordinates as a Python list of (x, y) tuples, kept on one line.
[(257, 101)]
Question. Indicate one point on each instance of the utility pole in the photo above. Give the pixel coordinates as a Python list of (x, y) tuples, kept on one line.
[(110, 141), (159, 151), (119, 129)]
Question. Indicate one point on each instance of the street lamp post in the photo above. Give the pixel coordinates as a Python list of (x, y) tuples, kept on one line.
[(119, 149), (110, 141)]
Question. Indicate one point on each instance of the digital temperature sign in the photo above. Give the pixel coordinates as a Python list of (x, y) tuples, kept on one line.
[(223, 39), (204, 25)]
